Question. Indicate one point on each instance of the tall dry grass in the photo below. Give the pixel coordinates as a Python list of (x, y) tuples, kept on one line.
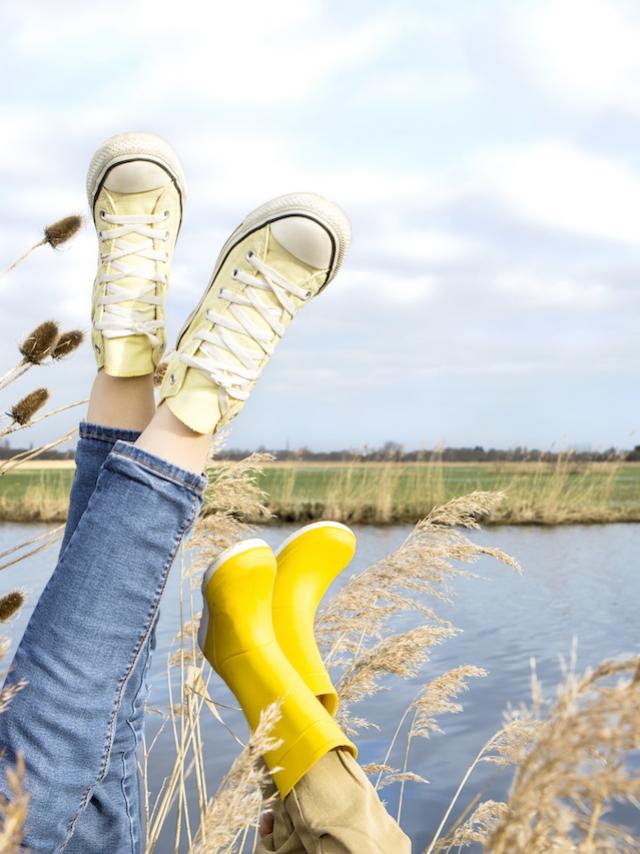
[(536, 491)]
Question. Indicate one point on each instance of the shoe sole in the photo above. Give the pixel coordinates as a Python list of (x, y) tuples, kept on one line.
[(312, 527), (125, 147), (309, 205), (232, 551)]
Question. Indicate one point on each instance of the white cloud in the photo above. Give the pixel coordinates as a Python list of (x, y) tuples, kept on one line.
[(526, 288), (561, 186), (393, 290), (415, 87), (586, 53), (429, 245), (252, 53)]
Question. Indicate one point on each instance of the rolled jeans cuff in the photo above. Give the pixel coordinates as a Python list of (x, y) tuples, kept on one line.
[(106, 434), (123, 452)]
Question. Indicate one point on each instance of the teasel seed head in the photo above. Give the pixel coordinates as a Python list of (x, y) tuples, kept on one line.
[(67, 343), (24, 410), (40, 343), (158, 374), (10, 604), (59, 232)]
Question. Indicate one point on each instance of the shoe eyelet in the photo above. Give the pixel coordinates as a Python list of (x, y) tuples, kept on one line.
[(167, 214), (250, 255), (97, 348), (234, 273), (307, 294), (102, 214), (100, 233), (172, 379)]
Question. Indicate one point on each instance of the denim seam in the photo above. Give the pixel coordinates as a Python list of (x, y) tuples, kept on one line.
[(161, 472), (127, 802), (118, 700)]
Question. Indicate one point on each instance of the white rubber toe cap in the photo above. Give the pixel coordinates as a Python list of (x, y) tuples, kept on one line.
[(306, 239)]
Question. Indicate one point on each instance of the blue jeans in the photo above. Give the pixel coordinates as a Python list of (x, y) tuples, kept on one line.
[(86, 649)]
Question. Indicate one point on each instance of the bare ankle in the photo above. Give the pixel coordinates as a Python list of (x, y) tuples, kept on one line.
[(126, 403), (167, 437)]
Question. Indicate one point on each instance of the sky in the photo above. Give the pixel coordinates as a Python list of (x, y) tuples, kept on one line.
[(487, 153)]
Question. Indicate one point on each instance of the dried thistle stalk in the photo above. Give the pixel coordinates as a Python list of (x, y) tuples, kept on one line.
[(23, 411), (40, 343), (62, 230), (67, 343), (158, 374), (54, 235), (10, 604)]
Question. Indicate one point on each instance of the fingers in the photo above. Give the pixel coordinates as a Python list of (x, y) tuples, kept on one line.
[(265, 826)]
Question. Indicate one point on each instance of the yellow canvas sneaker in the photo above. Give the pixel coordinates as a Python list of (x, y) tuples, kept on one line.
[(281, 256), (136, 191)]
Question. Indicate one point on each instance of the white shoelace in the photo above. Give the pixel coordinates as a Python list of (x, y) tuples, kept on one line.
[(234, 379), (118, 321)]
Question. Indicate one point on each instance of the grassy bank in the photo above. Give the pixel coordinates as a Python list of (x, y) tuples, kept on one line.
[(537, 493)]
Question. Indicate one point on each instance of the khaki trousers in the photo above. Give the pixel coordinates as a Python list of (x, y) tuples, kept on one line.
[(334, 809)]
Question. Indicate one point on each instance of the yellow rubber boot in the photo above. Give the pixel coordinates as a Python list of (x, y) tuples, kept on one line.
[(236, 636), (308, 561)]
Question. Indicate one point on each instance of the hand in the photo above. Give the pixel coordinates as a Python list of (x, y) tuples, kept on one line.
[(265, 825)]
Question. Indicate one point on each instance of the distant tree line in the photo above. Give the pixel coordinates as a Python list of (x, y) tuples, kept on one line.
[(392, 451)]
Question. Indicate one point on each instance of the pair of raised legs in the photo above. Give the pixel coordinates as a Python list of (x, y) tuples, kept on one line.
[(138, 488)]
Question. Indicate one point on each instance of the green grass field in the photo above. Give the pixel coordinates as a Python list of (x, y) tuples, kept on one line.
[(388, 492)]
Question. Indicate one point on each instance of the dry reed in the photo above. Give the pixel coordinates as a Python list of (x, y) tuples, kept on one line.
[(536, 492), (238, 799)]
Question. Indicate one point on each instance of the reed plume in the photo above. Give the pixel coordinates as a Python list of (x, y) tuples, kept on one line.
[(237, 803), (421, 569), (13, 810), (575, 766), (232, 496)]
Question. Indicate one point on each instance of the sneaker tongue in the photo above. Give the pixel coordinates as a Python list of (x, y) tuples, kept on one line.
[(137, 204)]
